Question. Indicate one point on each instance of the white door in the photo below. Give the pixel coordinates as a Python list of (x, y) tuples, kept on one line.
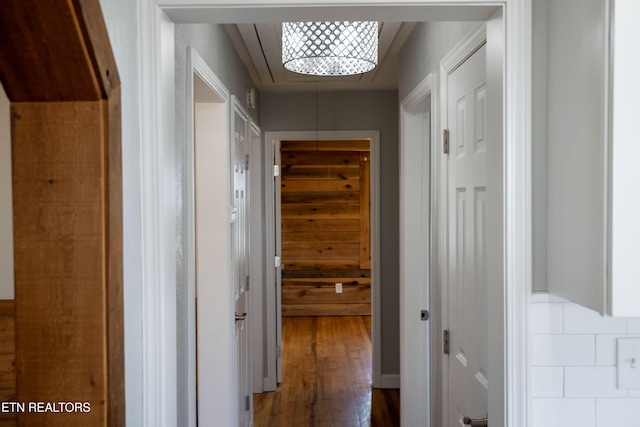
[(240, 261), (467, 226)]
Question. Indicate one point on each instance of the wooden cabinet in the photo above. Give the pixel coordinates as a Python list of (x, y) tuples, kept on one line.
[(593, 202)]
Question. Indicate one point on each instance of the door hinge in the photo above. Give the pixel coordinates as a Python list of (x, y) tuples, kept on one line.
[(247, 403), (276, 171), (445, 141), (246, 162), (278, 261), (278, 351), (445, 341), (248, 281)]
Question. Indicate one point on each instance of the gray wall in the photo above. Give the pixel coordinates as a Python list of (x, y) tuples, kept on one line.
[(357, 111), (427, 45), (539, 144), (214, 46)]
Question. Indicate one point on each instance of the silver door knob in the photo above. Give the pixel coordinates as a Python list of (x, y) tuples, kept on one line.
[(475, 423)]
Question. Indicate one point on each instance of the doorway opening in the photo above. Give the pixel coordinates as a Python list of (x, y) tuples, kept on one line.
[(311, 269), (207, 217)]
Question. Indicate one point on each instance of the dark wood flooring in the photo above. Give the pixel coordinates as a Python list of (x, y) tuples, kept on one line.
[(327, 378)]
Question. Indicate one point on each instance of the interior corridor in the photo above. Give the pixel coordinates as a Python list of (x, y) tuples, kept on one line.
[(326, 367)]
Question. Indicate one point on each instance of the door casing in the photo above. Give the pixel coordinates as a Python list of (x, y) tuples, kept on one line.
[(274, 138), (157, 64)]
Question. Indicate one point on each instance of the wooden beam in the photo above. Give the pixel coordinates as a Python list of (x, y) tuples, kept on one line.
[(61, 253), (58, 70)]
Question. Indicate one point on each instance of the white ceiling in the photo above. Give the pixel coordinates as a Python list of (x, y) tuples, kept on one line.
[(260, 47)]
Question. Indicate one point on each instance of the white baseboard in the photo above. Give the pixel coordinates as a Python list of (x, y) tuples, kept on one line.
[(389, 381)]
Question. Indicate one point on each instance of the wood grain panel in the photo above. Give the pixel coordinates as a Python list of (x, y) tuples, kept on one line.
[(326, 281), (321, 237), (320, 172), (320, 158), (326, 198), (7, 359), (49, 31), (326, 145), (320, 251), (61, 353), (320, 186), (324, 264), (321, 190), (67, 200), (325, 295), (293, 274), (320, 225), (319, 211)]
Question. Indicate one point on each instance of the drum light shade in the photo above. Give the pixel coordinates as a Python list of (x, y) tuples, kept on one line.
[(338, 48)]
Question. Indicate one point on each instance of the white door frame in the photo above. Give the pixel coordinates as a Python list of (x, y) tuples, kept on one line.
[(271, 138), (418, 252), (203, 201), (157, 127)]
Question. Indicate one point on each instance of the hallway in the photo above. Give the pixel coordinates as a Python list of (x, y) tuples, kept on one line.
[(327, 377)]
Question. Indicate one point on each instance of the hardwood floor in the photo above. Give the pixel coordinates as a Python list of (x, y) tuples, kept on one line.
[(327, 378)]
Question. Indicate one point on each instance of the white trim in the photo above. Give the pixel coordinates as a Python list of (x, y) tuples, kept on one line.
[(270, 303), (374, 137), (258, 260), (545, 297), (158, 223), (159, 351), (195, 66), (416, 276), (389, 381)]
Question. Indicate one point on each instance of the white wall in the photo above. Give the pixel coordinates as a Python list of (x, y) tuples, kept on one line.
[(121, 17), (6, 211), (573, 366)]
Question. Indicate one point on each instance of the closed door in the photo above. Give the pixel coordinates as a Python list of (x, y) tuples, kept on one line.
[(240, 263), (467, 225)]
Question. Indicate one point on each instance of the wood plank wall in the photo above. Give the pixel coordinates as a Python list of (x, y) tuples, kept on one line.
[(325, 214)]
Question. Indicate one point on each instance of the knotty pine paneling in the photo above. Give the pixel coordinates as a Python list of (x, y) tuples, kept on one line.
[(325, 206)]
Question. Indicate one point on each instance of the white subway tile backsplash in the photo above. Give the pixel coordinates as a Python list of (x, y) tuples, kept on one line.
[(547, 382), (564, 413), (573, 367), (546, 318), (563, 350), (592, 381), (633, 325), (606, 349), (580, 320), (617, 413)]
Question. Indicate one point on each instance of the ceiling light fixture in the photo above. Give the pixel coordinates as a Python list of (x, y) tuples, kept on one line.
[(337, 48)]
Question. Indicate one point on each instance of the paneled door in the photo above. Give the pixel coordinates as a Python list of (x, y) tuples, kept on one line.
[(240, 259), (467, 226)]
